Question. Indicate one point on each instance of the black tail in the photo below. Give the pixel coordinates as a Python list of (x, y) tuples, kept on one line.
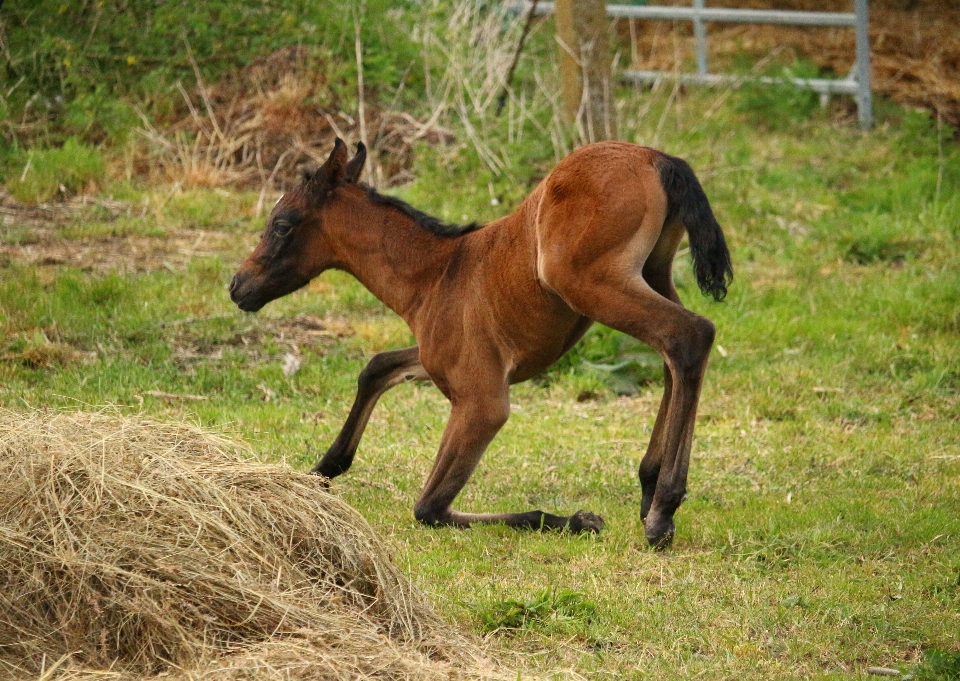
[(687, 203)]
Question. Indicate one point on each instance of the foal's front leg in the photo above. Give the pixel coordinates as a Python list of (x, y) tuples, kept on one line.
[(384, 371), (474, 422)]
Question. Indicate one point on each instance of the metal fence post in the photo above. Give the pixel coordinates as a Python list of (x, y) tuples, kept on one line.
[(864, 97), (700, 34)]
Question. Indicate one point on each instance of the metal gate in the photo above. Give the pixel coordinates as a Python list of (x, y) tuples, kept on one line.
[(856, 83)]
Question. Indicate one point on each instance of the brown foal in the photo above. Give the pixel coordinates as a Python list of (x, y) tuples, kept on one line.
[(490, 307)]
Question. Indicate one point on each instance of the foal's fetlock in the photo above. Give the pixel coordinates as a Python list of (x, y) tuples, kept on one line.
[(645, 503)]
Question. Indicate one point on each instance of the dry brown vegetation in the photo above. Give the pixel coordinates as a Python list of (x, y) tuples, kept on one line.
[(914, 45), (258, 127), (131, 548)]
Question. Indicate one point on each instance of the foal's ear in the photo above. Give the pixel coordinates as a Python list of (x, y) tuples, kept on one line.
[(331, 172), (355, 167)]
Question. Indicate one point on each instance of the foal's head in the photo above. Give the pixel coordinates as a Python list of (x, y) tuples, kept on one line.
[(295, 248)]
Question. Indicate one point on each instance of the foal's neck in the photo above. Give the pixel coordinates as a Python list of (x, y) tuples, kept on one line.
[(396, 259)]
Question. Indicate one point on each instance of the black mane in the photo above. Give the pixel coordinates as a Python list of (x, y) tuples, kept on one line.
[(427, 222)]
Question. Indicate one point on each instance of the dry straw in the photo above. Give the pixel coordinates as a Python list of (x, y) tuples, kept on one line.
[(131, 548)]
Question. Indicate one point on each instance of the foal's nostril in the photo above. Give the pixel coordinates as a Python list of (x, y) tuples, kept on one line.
[(233, 283)]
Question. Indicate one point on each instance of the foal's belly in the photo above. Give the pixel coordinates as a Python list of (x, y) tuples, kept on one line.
[(556, 340)]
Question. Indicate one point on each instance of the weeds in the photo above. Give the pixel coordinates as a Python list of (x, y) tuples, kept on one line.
[(39, 352), (46, 173), (778, 106), (546, 608), (622, 363), (938, 665)]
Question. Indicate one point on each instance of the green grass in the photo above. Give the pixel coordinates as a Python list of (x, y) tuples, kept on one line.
[(822, 530), (44, 173)]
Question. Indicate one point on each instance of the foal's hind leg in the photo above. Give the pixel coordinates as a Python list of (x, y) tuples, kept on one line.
[(384, 371), (683, 339), (649, 471), (475, 419), (658, 273)]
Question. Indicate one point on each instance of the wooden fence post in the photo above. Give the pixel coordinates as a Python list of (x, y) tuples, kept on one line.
[(587, 86)]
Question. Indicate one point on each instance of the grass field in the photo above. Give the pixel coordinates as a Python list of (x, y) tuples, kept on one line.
[(822, 530)]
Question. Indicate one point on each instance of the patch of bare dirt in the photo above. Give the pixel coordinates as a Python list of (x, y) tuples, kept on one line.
[(33, 235), (302, 330), (307, 329), (294, 335), (43, 218), (260, 339), (121, 254)]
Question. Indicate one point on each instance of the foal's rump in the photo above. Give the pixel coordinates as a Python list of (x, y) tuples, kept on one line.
[(612, 210)]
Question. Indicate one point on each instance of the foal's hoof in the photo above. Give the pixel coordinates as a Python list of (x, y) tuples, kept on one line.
[(584, 521), (659, 531), (324, 480)]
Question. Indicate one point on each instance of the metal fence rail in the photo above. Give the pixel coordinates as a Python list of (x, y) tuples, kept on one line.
[(857, 82)]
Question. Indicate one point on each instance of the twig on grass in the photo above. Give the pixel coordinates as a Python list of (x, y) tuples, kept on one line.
[(174, 396)]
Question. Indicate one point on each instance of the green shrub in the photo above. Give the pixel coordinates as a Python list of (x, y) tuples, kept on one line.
[(81, 64), (98, 117), (45, 171)]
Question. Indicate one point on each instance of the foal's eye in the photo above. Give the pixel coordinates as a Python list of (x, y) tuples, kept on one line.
[(282, 227)]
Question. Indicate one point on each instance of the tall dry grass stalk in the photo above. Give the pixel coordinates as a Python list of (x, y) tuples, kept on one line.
[(475, 48)]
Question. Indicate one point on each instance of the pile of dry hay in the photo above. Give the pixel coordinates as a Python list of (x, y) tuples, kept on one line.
[(132, 548)]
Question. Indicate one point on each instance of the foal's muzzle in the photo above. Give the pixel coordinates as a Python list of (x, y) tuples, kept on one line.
[(233, 286), (253, 287), (247, 299)]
